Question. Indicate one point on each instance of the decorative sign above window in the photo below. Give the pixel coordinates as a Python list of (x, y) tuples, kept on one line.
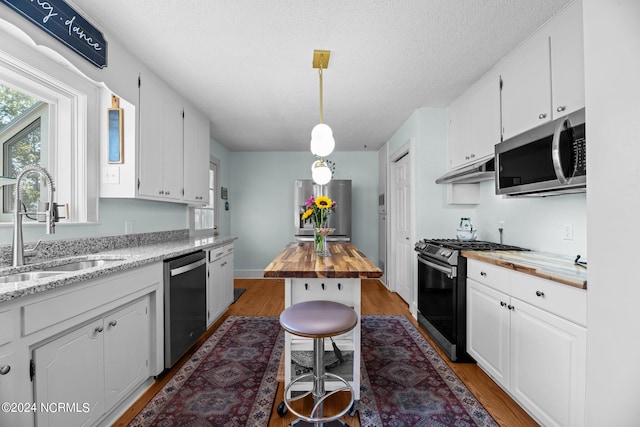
[(60, 20)]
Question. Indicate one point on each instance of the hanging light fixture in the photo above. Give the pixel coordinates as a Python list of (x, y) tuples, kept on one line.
[(320, 172), (322, 142)]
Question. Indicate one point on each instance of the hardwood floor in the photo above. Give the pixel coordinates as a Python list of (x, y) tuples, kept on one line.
[(265, 297)]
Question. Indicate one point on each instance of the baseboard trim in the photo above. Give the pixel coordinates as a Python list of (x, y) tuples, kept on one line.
[(248, 274)]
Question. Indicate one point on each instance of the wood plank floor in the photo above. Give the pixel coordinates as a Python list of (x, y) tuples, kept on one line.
[(265, 297)]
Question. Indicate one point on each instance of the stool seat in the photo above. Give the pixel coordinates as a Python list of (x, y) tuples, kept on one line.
[(318, 319)]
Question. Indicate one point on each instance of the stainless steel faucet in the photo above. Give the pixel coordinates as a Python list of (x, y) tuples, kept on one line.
[(18, 244)]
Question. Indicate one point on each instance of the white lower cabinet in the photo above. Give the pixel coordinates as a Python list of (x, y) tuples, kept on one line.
[(93, 367), (535, 350), (80, 354), (220, 267)]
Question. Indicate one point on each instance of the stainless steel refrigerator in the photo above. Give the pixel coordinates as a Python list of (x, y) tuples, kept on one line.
[(338, 190)]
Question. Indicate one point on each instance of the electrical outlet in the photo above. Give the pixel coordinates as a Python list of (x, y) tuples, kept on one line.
[(128, 227), (567, 232)]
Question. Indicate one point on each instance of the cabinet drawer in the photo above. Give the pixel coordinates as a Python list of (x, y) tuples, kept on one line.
[(559, 299), (491, 275), (217, 253)]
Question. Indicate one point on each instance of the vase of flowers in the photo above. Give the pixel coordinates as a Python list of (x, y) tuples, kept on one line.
[(317, 210)]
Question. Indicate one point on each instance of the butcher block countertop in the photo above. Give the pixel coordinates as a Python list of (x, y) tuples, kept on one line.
[(558, 268), (298, 259)]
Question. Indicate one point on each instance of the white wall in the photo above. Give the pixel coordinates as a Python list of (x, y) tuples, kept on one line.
[(261, 199), (612, 60), (534, 223)]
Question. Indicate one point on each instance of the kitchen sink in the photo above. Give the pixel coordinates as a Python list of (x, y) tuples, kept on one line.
[(23, 277), (81, 265)]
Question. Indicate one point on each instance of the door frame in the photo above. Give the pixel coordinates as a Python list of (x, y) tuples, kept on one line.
[(407, 149)]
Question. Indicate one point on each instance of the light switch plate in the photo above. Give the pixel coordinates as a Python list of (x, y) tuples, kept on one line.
[(111, 175)]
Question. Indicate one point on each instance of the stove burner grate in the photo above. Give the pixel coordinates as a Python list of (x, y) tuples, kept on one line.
[(473, 245)]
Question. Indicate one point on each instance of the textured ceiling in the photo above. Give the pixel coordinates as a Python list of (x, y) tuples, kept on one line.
[(247, 64)]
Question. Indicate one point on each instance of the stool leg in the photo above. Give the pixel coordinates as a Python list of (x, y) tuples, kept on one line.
[(318, 373)]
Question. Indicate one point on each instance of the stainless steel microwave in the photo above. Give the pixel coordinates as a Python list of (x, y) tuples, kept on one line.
[(548, 160)]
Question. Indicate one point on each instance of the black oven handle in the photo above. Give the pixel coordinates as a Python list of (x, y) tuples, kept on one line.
[(449, 271)]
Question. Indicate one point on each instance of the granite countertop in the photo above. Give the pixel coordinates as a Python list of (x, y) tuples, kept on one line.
[(298, 259), (121, 259), (559, 268)]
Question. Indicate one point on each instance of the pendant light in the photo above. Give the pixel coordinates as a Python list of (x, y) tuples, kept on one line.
[(320, 172), (322, 142)]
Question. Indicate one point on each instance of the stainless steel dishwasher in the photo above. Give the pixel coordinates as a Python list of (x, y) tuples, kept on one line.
[(185, 304)]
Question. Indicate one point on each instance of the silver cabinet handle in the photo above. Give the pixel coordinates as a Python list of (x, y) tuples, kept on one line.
[(113, 323), (4, 370), (99, 329), (542, 116), (561, 108)]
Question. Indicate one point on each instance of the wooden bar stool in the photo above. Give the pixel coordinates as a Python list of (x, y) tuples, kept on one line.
[(318, 320)]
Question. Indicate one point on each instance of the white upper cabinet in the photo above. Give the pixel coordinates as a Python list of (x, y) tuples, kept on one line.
[(161, 142), (567, 61), (166, 149), (544, 78), (474, 122), (196, 157)]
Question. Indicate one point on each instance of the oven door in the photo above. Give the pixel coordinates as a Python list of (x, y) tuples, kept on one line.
[(437, 301)]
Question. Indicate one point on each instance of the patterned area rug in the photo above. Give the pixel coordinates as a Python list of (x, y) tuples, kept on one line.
[(405, 382), (231, 380)]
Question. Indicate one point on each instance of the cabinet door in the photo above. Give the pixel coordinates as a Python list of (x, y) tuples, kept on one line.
[(70, 370), (127, 350), (459, 143), (196, 158), (173, 147), (548, 365), (485, 116), (215, 296), (160, 147), (150, 147), (227, 284), (567, 61), (526, 87), (488, 330)]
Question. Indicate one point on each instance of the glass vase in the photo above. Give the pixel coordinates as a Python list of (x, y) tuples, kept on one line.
[(320, 241)]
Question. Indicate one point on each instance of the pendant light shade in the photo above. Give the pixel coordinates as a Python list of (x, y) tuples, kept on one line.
[(320, 172), (322, 142)]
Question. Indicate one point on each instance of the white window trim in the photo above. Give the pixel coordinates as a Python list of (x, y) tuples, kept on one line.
[(69, 96), (215, 202)]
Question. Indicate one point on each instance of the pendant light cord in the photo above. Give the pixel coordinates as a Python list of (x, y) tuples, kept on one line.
[(320, 73)]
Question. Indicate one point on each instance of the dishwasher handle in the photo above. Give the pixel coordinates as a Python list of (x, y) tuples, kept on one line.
[(188, 267)]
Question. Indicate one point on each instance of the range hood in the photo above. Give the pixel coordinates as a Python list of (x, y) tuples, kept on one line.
[(483, 170)]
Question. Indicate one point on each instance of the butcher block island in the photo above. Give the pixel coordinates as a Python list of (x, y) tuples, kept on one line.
[(337, 278), (300, 261)]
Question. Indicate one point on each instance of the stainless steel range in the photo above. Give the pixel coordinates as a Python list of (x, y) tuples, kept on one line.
[(442, 291)]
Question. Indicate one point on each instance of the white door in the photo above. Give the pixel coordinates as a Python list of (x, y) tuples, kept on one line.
[(402, 250)]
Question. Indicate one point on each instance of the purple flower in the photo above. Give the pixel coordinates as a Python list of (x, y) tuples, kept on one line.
[(309, 202)]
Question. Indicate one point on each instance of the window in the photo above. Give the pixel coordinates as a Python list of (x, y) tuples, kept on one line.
[(45, 91), (206, 218), (21, 131)]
